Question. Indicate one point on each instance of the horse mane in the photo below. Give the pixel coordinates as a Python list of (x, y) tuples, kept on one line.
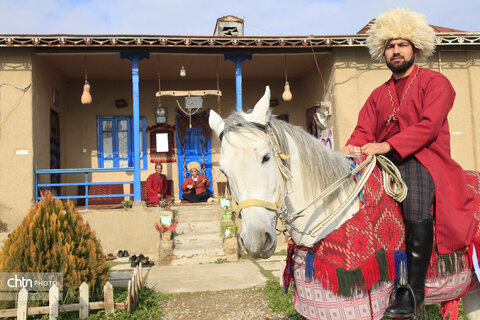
[(320, 166)]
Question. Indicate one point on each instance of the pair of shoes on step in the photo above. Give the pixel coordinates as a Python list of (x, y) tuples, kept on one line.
[(110, 257), (135, 261), (123, 254)]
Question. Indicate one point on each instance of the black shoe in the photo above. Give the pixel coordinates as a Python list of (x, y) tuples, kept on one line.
[(141, 256), (135, 263), (132, 258), (125, 253), (120, 254), (146, 263), (410, 301)]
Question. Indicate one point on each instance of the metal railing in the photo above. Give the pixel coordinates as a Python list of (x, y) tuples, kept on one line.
[(86, 171)]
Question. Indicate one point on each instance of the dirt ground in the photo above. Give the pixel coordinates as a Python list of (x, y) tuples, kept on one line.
[(224, 305)]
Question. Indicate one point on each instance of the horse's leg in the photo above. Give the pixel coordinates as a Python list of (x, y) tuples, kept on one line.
[(471, 305)]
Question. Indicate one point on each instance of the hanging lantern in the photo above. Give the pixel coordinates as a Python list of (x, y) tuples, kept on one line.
[(183, 72), (287, 94), (86, 96)]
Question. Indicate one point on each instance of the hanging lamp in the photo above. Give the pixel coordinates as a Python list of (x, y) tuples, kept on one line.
[(183, 72), (86, 96), (287, 94)]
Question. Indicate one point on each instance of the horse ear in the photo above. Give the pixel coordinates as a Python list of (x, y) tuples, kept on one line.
[(216, 122), (260, 112)]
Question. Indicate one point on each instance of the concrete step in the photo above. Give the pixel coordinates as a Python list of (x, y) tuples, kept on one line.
[(199, 237), (196, 260), (196, 215), (198, 227), (199, 251)]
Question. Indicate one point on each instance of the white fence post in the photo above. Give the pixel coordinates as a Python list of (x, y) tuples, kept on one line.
[(22, 307), (129, 297), (53, 302), (108, 298), (84, 301)]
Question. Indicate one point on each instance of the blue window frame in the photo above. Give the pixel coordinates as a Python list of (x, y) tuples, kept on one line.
[(115, 142)]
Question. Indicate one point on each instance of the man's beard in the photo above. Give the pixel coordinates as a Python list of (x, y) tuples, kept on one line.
[(402, 67)]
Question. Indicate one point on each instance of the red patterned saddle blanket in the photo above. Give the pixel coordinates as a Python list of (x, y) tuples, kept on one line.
[(369, 247)]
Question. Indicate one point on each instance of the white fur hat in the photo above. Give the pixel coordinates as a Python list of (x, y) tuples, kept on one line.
[(401, 24), (193, 165)]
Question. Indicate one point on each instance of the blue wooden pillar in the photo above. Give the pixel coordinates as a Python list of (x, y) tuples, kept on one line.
[(238, 59), (135, 58)]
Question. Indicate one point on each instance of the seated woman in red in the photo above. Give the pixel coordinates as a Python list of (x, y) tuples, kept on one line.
[(157, 186), (195, 187)]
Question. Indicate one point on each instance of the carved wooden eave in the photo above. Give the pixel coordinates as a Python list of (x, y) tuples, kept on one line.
[(141, 41)]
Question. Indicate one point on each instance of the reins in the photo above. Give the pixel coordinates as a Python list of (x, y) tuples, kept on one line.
[(392, 181)]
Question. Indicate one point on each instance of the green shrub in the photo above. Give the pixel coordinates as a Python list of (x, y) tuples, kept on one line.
[(54, 238)]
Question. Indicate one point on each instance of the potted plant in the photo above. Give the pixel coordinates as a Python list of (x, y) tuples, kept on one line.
[(166, 203), (229, 230), (127, 204), (227, 210), (166, 228)]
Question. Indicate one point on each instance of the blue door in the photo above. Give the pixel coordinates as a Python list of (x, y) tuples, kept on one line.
[(194, 147)]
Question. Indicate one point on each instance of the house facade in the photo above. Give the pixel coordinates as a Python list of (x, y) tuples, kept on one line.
[(44, 125)]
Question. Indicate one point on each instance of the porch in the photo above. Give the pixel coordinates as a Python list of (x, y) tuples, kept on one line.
[(101, 135)]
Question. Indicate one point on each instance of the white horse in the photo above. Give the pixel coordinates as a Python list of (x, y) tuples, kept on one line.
[(276, 169)]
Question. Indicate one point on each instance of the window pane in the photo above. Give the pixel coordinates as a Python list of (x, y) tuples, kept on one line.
[(108, 163), (107, 145), (123, 163), (123, 144), (107, 125), (122, 125)]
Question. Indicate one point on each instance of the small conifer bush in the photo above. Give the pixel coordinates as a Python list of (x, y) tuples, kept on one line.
[(54, 238)]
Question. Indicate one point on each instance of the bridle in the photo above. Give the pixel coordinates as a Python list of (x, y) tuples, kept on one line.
[(393, 184), (277, 206)]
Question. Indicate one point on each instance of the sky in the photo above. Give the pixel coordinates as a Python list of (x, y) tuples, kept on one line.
[(198, 18)]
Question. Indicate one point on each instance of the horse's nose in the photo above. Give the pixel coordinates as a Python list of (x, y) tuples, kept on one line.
[(269, 243), (260, 247)]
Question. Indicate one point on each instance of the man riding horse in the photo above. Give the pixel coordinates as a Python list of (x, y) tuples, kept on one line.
[(406, 120)]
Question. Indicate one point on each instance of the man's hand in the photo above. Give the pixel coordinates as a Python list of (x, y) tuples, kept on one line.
[(351, 150), (204, 181), (189, 186), (371, 149)]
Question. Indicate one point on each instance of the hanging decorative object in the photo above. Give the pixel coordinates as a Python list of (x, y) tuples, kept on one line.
[(287, 94), (86, 96), (160, 111), (183, 72)]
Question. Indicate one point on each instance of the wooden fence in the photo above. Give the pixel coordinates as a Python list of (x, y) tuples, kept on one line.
[(84, 305)]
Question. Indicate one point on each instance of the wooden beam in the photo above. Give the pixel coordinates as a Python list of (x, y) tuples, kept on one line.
[(190, 93)]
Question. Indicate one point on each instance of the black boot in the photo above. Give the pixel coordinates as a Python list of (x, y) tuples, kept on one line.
[(410, 300)]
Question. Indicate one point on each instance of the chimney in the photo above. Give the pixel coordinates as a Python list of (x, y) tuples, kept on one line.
[(229, 26)]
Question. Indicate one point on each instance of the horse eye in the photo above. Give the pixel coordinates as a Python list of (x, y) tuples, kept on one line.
[(265, 158)]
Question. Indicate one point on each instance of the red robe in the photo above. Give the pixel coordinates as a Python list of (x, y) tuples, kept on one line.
[(199, 187), (155, 186), (424, 132)]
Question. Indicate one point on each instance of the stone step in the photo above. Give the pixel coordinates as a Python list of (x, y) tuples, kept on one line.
[(195, 260), (198, 215), (198, 226), (199, 251), (199, 237)]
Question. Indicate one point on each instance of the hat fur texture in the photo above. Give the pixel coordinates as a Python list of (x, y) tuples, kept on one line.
[(193, 165), (401, 24)]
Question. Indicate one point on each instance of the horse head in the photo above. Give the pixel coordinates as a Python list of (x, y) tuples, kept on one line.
[(247, 160)]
